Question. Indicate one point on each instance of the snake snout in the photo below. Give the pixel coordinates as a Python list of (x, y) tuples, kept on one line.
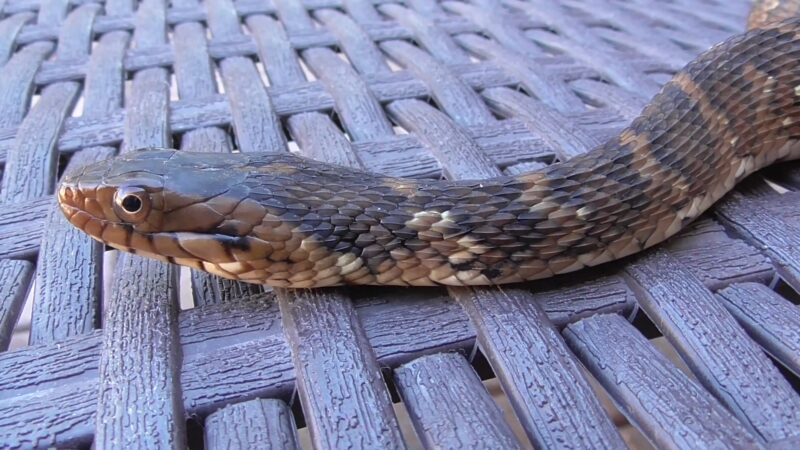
[(69, 197), (65, 194)]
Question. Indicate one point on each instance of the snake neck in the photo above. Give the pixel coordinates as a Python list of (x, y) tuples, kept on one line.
[(766, 13)]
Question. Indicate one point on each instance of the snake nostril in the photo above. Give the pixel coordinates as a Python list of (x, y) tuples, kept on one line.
[(64, 193)]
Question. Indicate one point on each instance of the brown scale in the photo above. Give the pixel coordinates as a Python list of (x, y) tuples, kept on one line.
[(766, 12), (292, 222)]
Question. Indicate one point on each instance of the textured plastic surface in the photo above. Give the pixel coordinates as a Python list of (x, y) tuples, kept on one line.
[(449, 406), (664, 403), (419, 88)]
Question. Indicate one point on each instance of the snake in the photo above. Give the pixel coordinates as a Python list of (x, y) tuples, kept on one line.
[(279, 219)]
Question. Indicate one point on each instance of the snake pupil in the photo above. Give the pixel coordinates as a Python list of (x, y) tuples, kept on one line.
[(132, 204)]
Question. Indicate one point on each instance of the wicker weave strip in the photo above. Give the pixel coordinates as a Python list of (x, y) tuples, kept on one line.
[(780, 240), (726, 361), (773, 321), (255, 424), (609, 347), (68, 279), (446, 383), (15, 276), (140, 355)]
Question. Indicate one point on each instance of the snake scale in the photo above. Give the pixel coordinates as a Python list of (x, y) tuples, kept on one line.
[(286, 221)]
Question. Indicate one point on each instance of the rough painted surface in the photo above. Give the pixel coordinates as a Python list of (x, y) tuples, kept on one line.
[(503, 319), (449, 406), (68, 279), (16, 83), (236, 349), (335, 364), (15, 276), (139, 402), (779, 239), (255, 424), (665, 404), (215, 110), (715, 347), (539, 374), (771, 320), (30, 170), (339, 382), (21, 227), (68, 276)]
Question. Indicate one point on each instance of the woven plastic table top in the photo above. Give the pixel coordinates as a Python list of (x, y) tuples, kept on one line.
[(413, 88)]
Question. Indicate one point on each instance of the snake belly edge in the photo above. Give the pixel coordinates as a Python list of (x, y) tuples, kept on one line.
[(286, 221)]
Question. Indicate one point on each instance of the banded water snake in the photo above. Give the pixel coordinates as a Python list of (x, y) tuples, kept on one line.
[(286, 221)]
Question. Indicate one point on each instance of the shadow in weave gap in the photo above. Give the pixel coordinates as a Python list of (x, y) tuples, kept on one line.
[(262, 72), (22, 329), (218, 79), (645, 326), (786, 174), (790, 376), (173, 88), (786, 291), (336, 118), (78, 110), (177, 139), (310, 76), (194, 433), (63, 160)]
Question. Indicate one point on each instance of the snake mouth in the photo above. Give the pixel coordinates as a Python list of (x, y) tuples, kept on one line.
[(226, 256), (162, 246)]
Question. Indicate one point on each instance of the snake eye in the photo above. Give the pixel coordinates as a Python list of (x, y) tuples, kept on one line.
[(132, 204)]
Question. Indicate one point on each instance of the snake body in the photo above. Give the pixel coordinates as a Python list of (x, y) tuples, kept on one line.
[(287, 221)]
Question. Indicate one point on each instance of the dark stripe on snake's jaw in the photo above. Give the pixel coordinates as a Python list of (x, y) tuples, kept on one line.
[(288, 221)]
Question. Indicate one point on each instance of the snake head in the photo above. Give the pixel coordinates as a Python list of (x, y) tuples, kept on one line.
[(133, 201), (234, 215), (110, 198)]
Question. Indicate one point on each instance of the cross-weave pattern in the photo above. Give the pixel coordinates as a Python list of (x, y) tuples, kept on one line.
[(414, 88)]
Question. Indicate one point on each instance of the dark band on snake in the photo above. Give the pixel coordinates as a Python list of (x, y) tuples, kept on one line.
[(287, 221)]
